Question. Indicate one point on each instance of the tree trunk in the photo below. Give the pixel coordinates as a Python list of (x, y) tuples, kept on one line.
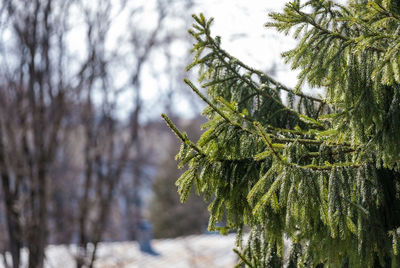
[(38, 232), (12, 215), (13, 224)]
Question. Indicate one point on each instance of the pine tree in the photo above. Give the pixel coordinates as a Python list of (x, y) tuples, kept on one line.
[(323, 172)]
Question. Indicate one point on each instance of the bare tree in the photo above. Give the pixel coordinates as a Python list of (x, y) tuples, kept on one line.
[(52, 96), (33, 93), (105, 162)]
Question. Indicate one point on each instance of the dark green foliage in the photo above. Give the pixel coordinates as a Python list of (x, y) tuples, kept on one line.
[(323, 172)]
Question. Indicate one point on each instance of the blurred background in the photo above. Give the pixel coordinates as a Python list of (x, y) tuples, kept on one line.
[(87, 166)]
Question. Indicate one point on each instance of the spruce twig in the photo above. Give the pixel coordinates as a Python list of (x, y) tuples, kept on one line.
[(260, 73), (215, 108), (266, 139), (243, 258), (180, 135)]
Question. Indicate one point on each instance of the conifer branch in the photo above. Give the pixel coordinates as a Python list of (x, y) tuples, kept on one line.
[(180, 135), (284, 140), (267, 139), (325, 167), (222, 55), (195, 90), (250, 120), (257, 89), (215, 108), (294, 92), (321, 187), (310, 20), (383, 10), (261, 74), (307, 167), (243, 258), (249, 97)]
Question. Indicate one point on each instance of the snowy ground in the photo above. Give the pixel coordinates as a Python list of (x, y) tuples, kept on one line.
[(208, 251)]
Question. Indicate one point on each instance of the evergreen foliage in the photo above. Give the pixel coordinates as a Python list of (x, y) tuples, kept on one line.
[(323, 172)]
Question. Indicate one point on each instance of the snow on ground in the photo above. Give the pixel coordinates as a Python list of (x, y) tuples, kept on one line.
[(197, 251)]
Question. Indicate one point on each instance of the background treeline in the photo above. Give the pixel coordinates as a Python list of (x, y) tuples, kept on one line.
[(78, 143)]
